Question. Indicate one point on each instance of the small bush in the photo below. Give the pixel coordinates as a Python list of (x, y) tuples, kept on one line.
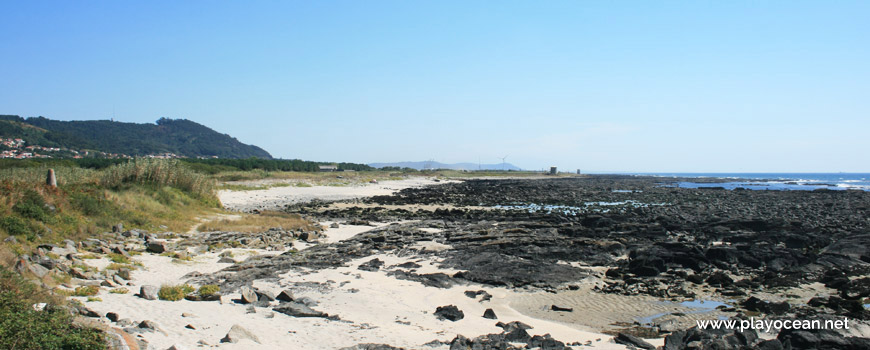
[(92, 204), (93, 299), (119, 291), (15, 226), (22, 327), (208, 290), (174, 293), (117, 266), (32, 206), (86, 291)]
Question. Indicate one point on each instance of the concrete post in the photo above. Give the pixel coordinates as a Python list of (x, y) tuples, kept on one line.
[(51, 179)]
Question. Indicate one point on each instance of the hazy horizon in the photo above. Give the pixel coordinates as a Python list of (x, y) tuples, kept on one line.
[(629, 86)]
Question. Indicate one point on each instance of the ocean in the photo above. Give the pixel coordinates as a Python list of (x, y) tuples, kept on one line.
[(778, 181)]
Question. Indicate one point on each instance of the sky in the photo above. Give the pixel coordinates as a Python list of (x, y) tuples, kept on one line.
[(643, 86)]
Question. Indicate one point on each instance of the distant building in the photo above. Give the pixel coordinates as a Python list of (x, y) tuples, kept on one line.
[(328, 168), (552, 170)]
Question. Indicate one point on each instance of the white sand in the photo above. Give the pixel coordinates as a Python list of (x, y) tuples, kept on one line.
[(278, 197), (373, 307)]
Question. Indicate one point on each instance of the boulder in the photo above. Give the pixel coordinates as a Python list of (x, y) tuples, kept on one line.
[(489, 314), (149, 325), (249, 296), (449, 312), (264, 295), (773, 308), (238, 333), (156, 246), (148, 292), (285, 295)]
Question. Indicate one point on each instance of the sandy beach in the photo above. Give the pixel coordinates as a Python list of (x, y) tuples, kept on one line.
[(371, 306)]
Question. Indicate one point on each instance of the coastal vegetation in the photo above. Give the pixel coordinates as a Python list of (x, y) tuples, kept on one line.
[(99, 198), (175, 136), (151, 194), (24, 327)]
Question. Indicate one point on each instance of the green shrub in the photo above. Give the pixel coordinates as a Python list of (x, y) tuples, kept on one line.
[(119, 258), (32, 206), (119, 291), (15, 226), (174, 293), (22, 327), (91, 204), (208, 290)]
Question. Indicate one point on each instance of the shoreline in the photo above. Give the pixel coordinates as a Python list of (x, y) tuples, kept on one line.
[(383, 295)]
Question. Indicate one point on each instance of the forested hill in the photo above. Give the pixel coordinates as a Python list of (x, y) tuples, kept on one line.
[(179, 136)]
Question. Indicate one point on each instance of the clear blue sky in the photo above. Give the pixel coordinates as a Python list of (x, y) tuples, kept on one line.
[(600, 85)]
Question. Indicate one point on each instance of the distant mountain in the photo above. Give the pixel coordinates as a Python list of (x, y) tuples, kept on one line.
[(456, 166), (179, 136)]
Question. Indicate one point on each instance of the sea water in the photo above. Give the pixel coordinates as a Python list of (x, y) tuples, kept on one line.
[(776, 181)]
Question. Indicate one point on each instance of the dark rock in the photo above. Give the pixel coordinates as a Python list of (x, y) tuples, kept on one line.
[(489, 314), (755, 304), (772, 344), (112, 316), (285, 295), (148, 325), (560, 308), (298, 310), (630, 340), (156, 246), (546, 342), (265, 295), (371, 265), (449, 312), (511, 326), (409, 265), (437, 280), (719, 279), (85, 311)]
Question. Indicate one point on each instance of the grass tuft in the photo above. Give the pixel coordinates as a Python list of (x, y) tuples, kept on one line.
[(262, 222), (208, 290), (86, 291), (174, 293)]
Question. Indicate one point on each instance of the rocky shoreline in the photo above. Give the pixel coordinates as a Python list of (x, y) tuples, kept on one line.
[(635, 236), (607, 262)]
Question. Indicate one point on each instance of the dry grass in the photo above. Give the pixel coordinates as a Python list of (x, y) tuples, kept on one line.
[(36, 175), (162, 172), (260, 223)]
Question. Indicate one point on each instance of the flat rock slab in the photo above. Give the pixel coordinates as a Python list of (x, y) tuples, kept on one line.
[(298, 310)]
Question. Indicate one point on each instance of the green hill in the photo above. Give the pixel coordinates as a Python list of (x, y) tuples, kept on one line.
[(179, 136)]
